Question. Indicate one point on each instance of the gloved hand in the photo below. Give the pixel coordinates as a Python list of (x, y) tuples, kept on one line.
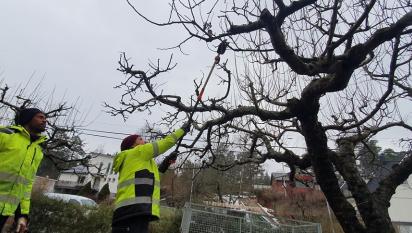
[(170, 159), (186, 126), (21, 226)]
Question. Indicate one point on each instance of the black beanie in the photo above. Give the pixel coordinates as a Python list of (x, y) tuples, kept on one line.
[(25, 115)]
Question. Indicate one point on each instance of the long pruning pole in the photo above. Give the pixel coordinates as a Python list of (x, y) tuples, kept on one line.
[(220, 50)]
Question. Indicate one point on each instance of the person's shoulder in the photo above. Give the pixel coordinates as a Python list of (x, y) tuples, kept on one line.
[(138, 152), (9, 129)]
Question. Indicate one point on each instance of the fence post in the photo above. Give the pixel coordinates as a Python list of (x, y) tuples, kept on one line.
[(319, 228), (250, 224), (186, 218)]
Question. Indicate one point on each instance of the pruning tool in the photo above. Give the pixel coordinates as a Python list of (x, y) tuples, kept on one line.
[(220, 51)]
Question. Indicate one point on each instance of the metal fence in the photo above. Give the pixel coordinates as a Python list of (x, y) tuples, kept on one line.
[(208, 219)]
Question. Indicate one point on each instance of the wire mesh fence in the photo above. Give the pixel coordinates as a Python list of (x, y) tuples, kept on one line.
[(209, 219)]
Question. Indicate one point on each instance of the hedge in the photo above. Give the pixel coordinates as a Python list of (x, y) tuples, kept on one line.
[(48, 215)]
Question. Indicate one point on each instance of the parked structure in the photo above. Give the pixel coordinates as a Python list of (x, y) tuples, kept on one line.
[(302, 183), (73, 199), (211, 219), (99, 172), (43, 184)]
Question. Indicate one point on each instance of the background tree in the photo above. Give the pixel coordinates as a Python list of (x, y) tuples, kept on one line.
[(332, 73), (179, 183), (87, 191), (389, 155), (221, 182), (372, 159), (104, 193), (369, 158), (63, 148), (221, 185)]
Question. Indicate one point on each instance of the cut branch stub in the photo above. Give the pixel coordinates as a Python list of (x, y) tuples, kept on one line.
[(222, 47)]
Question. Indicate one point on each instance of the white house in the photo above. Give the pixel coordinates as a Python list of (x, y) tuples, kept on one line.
[(401, 205), (99, 172)]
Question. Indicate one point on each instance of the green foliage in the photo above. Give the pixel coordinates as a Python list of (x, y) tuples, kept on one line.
[(48, 168), (104, 193), (170, 220), (48, 215), (389, 155), (58, 217)]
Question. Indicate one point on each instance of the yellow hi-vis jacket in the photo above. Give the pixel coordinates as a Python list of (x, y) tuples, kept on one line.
[(138, 190), (19, 160)]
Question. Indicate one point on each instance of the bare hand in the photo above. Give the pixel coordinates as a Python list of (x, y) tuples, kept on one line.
[(21, 225)]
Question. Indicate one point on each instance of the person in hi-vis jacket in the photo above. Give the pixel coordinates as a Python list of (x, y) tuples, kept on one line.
[(138, 190), (20, 156)]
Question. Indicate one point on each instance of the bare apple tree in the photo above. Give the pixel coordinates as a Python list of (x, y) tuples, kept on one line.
[(334, 73)]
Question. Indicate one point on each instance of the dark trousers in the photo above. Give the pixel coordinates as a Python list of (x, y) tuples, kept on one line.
[(132, 225), (3, 220)]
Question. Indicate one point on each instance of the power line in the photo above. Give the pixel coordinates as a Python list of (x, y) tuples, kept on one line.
[(101, 136), (189, 140), (103, 131)]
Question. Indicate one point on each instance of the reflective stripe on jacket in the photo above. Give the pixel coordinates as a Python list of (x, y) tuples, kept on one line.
[(19, 160), (138, 190)]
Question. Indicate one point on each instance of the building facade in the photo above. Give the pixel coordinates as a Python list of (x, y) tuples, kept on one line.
[(400, 208), (99, 171)]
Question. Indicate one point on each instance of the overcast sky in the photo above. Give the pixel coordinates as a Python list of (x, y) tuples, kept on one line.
[(73, 46)]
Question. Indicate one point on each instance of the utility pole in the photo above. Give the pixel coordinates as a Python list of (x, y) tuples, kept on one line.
[(240, 185), (191, 186)]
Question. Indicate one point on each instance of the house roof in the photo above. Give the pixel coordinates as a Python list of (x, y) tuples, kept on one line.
[(77, 170), (82, 170), (96, 154), (304, 178), (380, 173), (279, 175)]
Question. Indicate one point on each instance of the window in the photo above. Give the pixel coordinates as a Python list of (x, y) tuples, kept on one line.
[(72, 201), (108, 168), (88, 202), (405, 228), (100, 167), (81, 179)]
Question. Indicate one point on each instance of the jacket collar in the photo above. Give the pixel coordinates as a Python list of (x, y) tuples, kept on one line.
[(23, 130)]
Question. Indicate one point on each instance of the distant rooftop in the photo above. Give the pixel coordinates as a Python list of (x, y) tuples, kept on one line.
[(95, 154), (77, 170), (382, 172)]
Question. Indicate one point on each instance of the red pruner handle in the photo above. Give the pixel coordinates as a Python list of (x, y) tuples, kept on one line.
[(217, 59), (199, 97)]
